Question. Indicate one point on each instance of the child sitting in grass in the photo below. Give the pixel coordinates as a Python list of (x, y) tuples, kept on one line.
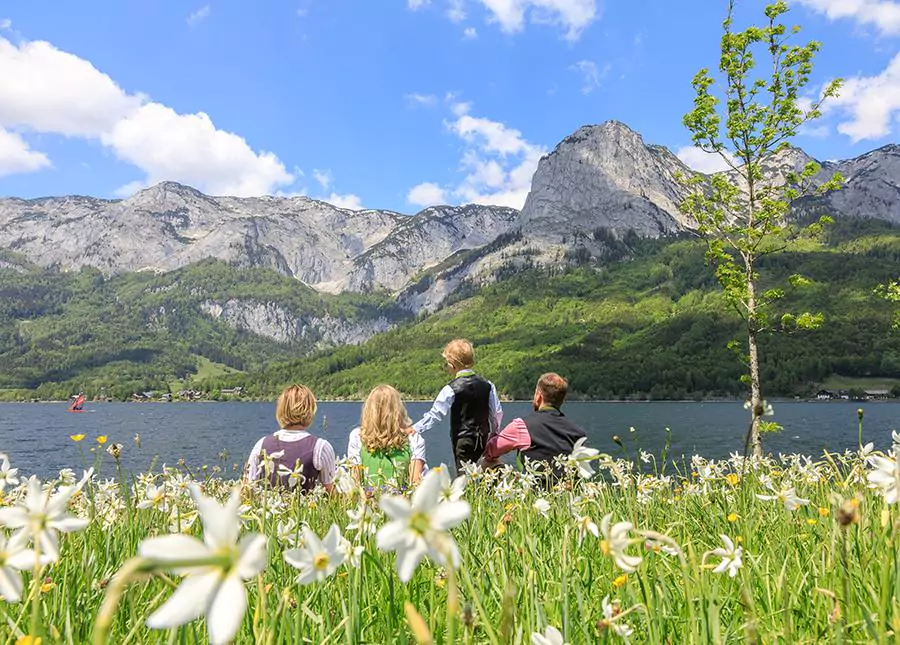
[(382, 447), (292, 457)]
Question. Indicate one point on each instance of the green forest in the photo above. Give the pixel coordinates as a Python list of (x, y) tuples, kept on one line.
[(650, 325)]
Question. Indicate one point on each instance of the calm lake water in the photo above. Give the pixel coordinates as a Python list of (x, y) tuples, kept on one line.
[(36, 436)]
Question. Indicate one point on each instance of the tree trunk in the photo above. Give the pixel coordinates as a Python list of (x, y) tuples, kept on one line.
[(756, 401)]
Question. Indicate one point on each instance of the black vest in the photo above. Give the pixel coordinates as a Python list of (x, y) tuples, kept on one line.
[(552, 435), (471, 410)]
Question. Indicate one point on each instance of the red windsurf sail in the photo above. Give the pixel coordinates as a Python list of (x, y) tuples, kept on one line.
[(77, 404)]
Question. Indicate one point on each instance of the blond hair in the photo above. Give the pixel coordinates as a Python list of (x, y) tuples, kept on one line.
[(384, 420), (459, 354), (296, 406)]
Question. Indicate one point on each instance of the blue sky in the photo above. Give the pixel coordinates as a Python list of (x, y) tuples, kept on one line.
[(382, 103)]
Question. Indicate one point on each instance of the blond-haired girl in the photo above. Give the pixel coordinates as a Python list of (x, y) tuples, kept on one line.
[(383, 447), (296, 455)]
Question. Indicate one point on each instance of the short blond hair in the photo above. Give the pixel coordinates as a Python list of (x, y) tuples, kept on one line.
[(459, 354), (296, 406), (384, 420)]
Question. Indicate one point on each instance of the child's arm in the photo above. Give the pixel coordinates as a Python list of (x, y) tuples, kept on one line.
[(515, 436), (415, 471), (324, 462), (496, 410), (439, 409), (253, 462)]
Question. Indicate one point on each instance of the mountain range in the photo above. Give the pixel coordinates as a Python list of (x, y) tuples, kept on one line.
[(600, 186)]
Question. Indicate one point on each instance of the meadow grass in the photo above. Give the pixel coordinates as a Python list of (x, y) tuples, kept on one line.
[(827, 570)]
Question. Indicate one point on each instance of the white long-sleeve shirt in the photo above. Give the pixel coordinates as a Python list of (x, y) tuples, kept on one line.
[(444, 402)]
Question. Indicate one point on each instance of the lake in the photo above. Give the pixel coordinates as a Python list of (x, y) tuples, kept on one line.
[(36, 436)]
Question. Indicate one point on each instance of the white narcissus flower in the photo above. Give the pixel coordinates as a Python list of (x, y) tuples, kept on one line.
[(364, 518), (731, 557), (214, 569), (615, 541), (42, 515), (787, 496), (352, 554), (154, 497), (286, 531), (542, 506), (344, 481), (582, 457), (619, 627), (886, 475), (451, 491), (295, 477), (551, 636), (316, 559), (7, 474), (421, 527), (15, 557)]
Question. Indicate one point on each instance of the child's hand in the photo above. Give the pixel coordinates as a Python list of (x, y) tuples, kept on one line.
[(410, 431)]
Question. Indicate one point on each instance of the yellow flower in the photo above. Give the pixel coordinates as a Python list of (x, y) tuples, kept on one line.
[(823, 511), (732, 517), (312, 505), (810, 520), (77, 437), (29, 640), (739, 539), (620, 581), (732, 479), (501, 529), (47, 586), (101, 439)]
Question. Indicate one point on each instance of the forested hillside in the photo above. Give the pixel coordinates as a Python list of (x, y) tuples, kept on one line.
[(655, 326), (652, 324), (61, 331)]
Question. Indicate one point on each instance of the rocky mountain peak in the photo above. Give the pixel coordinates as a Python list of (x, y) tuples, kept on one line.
[(605, 176)]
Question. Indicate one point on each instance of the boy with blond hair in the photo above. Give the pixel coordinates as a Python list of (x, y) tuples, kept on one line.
[(294, 457), (470, 400)]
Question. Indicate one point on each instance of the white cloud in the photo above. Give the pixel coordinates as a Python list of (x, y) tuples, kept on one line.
[(199, 16), (5, 24), (701, 161), (470, 33), (591, 75), (872, 103), (50, 91), (572, 15), (323, 177), (456, 12), (426, 194), (498, 163), (17, 157), (188, 148), (884, 15), (351, 202), (426, 100), (417, 4)]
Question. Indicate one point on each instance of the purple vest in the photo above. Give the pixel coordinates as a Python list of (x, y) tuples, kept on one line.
[(295, 453)]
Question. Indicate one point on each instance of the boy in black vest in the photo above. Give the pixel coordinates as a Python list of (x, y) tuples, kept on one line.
[(543, 435), (470, 400)]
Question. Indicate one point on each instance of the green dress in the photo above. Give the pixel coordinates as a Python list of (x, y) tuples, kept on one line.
[(382, 466)]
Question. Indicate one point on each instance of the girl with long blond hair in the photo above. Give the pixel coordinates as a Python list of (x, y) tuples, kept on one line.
[(383, 447)]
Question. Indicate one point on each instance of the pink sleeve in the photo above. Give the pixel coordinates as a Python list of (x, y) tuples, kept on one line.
[(513, 437)]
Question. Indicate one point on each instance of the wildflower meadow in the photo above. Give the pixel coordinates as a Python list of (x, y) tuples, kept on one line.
[(784, 548)]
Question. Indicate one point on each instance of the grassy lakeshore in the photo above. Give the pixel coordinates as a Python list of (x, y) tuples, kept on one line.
[(811, 544)]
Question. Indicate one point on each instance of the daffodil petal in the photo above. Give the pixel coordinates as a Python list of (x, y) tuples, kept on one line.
[(226, 611), (190, 601), (450, 514), (170, 548)]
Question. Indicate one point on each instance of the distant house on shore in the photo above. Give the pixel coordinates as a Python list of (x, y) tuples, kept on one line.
[(878, 394), (825, 395), (234, 391)]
